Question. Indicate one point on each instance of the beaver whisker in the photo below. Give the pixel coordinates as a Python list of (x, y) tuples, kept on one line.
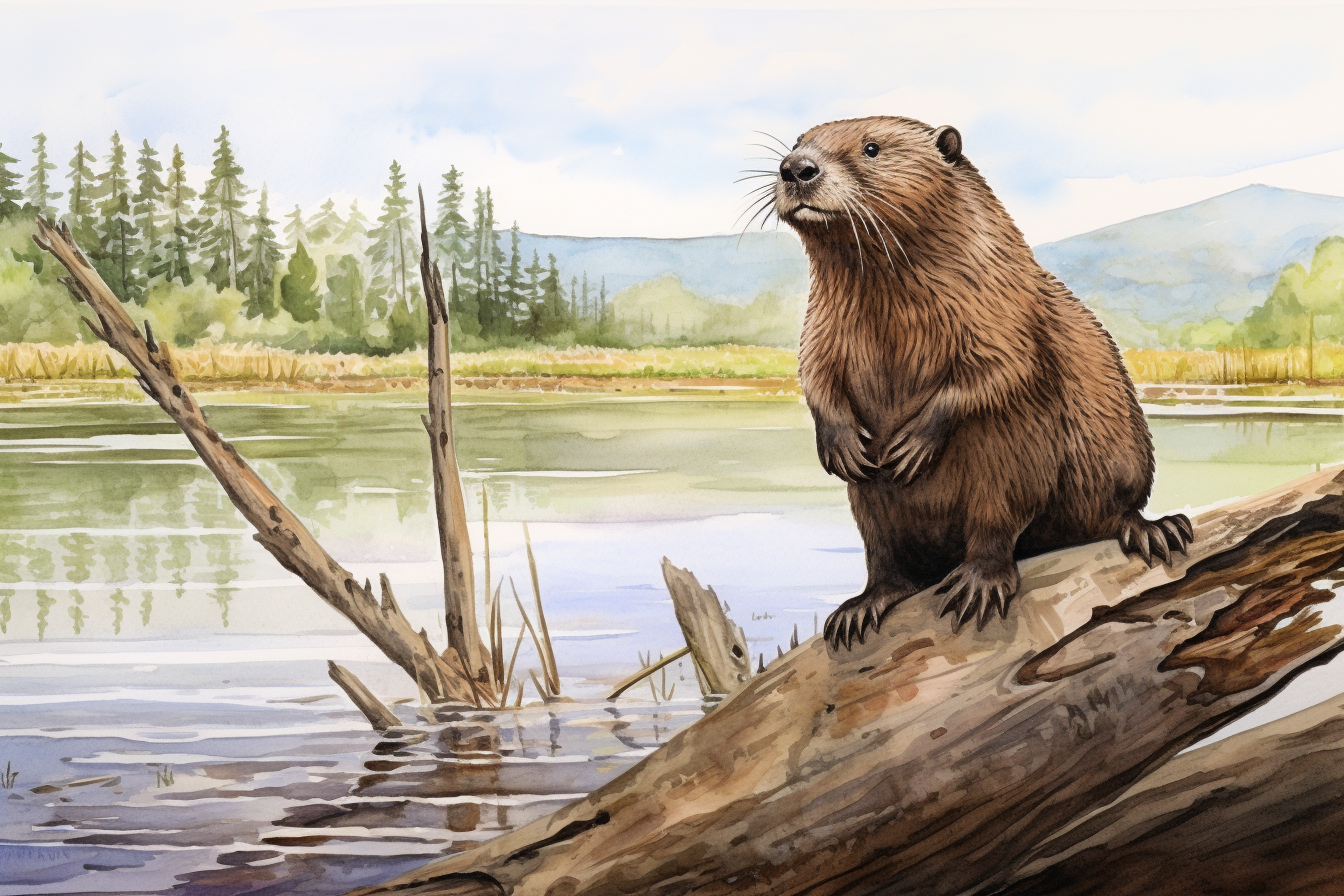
[(771, 175), (864, 211), (877, 219), (786, 146), (757, 206), (778, 154), (858, 243), (895, 209)]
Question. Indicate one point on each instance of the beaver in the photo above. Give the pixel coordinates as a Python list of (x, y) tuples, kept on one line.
[(977, 409)]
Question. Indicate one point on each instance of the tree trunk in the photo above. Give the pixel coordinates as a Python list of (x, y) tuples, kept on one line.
[(927, 762), (278, 529)]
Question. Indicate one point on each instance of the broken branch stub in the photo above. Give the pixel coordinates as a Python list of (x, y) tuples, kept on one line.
[(930, 763), (277, 528), (459, 587), (717, 644)]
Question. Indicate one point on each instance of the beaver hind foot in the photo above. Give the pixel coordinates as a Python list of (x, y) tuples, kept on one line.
[(852, 619), (1155, 539), (976, 589)]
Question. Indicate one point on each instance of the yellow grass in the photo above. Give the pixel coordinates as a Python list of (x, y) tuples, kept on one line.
[(1232, 366), (257, 364), (40, 361)]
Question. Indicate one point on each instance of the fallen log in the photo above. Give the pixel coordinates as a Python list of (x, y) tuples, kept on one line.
[(278, 530), (1259, 812), (929, 762), (718, 646)]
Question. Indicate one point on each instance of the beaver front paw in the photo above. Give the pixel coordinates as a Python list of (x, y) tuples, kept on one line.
[(976, 590), (842, 452), (1155, 539), (915, 447), (851, 621)]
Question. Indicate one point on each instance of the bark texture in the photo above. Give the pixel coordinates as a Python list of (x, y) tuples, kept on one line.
[(1259, 812), (927, 762), (278, 529)]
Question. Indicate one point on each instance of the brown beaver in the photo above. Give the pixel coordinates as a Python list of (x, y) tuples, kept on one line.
[(978, 410)]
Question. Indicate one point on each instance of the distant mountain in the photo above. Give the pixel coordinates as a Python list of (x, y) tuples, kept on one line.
[(1145, 277), (717, 268), (1217, 258)]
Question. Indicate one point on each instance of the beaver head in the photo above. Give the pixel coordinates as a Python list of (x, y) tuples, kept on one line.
[(877, 186)]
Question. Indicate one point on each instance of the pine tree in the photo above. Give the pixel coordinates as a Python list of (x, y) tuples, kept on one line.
[(225, 235), (296, 231), (173, 254), (326, 224), (587, 311), (392, 257), (573, 299), (555, 316), (532, 298), (147, 205), (11, 197), (40, 194), (512, 296), (357, 227), (263, 254), (489, 279), (297, 295), (345, 296), (602, 305), (452, 236), (117, 256), (81, 218)]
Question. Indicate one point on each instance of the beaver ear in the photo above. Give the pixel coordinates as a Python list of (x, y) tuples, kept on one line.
[(948, 140)]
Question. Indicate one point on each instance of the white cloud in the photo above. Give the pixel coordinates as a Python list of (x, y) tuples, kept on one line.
[(635, 119)]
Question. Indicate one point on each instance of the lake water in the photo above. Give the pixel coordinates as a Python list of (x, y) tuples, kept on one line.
[(163, 681)]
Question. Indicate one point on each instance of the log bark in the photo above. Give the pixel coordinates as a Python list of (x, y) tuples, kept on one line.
[(379, 716), (931, 763), (277, 528), (459, 587), (718, 646), (1259, 812)]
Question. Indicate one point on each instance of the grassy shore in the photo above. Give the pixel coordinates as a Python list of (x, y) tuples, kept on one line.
[(760, 369)]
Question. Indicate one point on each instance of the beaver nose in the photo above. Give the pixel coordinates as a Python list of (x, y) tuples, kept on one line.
[(798, 169)]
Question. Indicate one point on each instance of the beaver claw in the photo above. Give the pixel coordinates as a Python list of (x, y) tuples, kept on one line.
[(974, 592), (851, 621), (843, 453), (1155, 539), (914, 448)]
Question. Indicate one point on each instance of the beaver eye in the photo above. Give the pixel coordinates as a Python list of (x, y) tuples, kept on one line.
[(870, 150)]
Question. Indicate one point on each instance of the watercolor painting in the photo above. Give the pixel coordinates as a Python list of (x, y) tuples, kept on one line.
[(480, 449)]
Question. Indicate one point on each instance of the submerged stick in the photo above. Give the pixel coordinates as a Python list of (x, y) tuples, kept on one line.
[(278, 529), (648, 670), (379, 716)]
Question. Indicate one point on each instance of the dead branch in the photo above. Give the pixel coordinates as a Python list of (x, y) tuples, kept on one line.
[(278, 529), (928, 762), (459, 587)]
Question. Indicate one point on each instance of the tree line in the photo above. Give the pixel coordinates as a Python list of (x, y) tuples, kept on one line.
[(1305, 306), (331, 280)]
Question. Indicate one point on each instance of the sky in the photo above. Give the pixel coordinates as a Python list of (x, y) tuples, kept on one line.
[(635, 119)]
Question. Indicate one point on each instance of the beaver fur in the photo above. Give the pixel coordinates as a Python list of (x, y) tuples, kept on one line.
[(979, 412)]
